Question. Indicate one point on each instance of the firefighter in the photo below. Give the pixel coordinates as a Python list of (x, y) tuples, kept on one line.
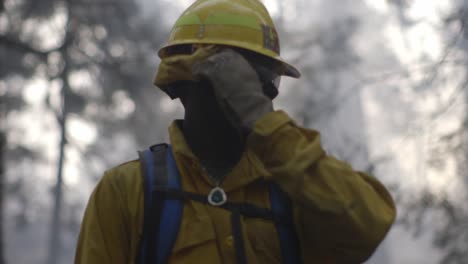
[(223, 62)]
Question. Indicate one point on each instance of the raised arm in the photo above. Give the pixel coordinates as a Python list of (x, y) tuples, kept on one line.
[(340, 214)]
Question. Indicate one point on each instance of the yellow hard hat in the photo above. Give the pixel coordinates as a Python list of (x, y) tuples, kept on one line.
[(243, 24)]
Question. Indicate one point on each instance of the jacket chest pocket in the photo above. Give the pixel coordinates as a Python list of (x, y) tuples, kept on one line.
[(193, 233), (196, 242), (264, 240)]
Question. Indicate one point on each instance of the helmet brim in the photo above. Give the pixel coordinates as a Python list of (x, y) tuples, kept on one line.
[(291, 71), (287, 69)]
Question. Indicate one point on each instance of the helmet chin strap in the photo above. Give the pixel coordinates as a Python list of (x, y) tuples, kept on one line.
[(270, 89), (267, 71), (270, 80)]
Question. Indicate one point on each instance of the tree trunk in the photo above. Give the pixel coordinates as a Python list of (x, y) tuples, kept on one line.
[(2, 181), (54, 246), (55, 228)]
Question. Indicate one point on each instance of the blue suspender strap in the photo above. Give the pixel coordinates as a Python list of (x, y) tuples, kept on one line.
[(171, 215), (147, 171), (281, 206), (163, 215), (153, 164), (157, 203)]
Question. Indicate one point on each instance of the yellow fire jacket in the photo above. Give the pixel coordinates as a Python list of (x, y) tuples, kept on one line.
[(340, 215)]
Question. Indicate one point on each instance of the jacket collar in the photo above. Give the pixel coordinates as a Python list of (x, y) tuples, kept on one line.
[(248, 169)]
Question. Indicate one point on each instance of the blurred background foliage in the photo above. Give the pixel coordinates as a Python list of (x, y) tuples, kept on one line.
[(77, 98)]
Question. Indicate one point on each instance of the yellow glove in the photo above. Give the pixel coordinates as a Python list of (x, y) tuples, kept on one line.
[(179, 67)]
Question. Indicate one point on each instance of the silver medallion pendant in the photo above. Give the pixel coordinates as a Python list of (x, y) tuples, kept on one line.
[(217, 197)]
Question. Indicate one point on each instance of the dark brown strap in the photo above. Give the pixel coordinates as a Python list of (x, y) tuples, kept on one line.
[(236, 225), (238, 210)]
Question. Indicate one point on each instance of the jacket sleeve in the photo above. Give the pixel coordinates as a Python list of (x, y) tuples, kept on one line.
[(104, 236), (340, 214)]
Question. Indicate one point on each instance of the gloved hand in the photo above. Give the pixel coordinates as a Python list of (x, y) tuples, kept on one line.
[(236, 86)]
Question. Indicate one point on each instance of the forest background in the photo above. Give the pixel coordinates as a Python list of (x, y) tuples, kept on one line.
[(384, 81)]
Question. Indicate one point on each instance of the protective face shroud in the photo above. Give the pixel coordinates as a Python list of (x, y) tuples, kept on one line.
[(175, 72)]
